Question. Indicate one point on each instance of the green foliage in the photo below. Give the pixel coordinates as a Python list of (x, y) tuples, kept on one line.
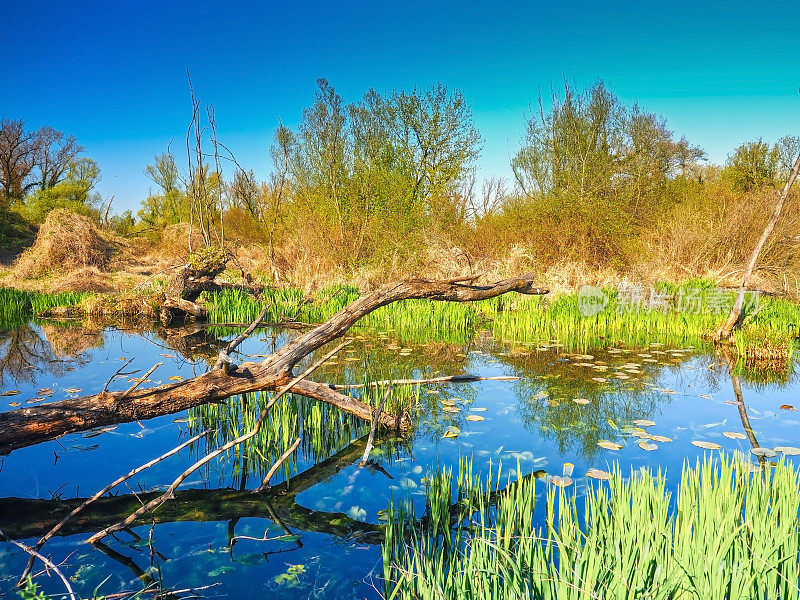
[(752, 165), (17, 306), (375, 171), (30, 591), (726, 533), (74, 193)]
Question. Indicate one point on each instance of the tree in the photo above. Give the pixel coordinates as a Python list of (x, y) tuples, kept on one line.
[(752, 165), (170, 205), (74, 192), (18, 156), (55, 153)]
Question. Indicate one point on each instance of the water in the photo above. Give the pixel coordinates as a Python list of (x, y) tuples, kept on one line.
[(321, 540)]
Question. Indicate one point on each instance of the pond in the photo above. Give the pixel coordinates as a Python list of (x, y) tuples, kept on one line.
[(541, 408)]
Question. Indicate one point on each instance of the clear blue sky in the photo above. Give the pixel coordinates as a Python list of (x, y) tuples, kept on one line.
[(114, 74)]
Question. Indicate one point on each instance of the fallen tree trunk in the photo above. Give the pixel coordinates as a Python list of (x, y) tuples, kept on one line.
[(28, 426)]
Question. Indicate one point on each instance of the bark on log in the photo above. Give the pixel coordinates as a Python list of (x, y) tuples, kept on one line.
[(28, 426)]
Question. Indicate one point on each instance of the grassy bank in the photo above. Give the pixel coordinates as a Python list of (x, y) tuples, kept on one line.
[(726, 533)]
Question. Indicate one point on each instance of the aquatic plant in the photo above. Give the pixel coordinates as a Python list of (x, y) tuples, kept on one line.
[(18, 307), (726, 533)]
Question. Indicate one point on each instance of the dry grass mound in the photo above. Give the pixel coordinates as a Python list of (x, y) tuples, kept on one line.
[(65, 242)]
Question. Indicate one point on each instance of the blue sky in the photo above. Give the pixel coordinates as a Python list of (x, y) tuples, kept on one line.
[(114, 74)]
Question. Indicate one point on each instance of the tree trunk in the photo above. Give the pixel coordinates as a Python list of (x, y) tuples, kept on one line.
[(28, 426), (735, 316)]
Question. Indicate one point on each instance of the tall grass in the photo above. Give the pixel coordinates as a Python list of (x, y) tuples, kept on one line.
[(323, 429), (726, 533), (18, 306)]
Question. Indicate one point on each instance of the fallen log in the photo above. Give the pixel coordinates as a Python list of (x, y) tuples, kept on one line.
[(27, 426)]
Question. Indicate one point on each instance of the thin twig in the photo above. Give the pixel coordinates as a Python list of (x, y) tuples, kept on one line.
[(101, 493), (105, 387), (141, 380), (374, 428), (434, 380), (265, 482), (156, 502), (224, 356), (50, 564)]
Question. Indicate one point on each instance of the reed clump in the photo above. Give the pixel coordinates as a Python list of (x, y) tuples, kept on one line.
[(725, 533)]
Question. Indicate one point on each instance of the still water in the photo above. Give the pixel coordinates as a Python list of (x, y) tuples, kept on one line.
[(320, 536)]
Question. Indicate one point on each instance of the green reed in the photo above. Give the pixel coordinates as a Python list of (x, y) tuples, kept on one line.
[(17, 306), (725, 533), (323, 429)]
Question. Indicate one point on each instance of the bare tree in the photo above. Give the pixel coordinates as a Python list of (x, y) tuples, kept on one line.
[(18, 155), (55, 153)]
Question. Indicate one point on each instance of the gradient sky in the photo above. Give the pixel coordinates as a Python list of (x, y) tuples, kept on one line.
[(114, 75)]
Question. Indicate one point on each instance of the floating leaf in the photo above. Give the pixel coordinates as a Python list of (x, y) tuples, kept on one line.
[(581, 400), (788, 450), (599, 379), (733, 402), (73, 390), (644, 422), (660, 438), (598, 474), (706, 445), (765, 452), (561, 481), (34, 400), (10, 393), (45, 392), (13, 403), (706, 396), (451, 432), (181, 420), (645, 445), (175, 378), (787, 407), (474, 418), (734, 435), (451, 409), (609, 445), (478, 409)]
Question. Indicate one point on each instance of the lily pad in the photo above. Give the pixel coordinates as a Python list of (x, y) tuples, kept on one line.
[(474, 418), (734, 435), (598, 474), (660, 438), (643, 422), (765, 452), (788, 450), (581, 400), (608, 445), (645, 445), (706, 445), (10, 393)]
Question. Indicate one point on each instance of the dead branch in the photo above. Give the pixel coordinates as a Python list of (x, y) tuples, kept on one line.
[(50, 564), (57, 527), (374, 428), (265, 483), (430, 381), (735, 317), (225, 356), (32, 425), (170, 493)]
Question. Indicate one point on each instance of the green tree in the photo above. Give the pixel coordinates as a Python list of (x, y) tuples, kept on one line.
[(170, 205), (75, 192), (752, 165)]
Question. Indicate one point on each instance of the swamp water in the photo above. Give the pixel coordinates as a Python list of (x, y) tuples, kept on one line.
[(564, 413)]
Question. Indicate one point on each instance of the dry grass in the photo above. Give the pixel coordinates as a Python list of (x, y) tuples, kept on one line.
[(65, 242)]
